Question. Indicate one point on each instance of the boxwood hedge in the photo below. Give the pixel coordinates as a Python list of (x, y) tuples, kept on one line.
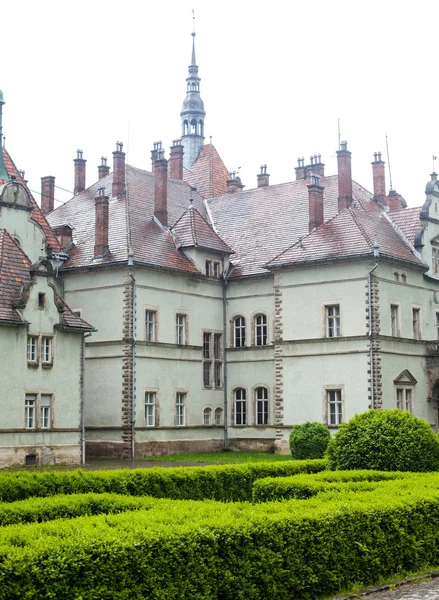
[(186, 550)]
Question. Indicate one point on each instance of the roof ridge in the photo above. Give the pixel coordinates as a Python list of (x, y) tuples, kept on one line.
[(192, 224), (360, 227)]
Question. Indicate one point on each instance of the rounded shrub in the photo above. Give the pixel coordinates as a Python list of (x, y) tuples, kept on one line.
[(385, 440), (309, 440)]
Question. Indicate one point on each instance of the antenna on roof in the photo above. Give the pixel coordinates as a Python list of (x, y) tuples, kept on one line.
[(338, 121), (388, 162), (193, 20)]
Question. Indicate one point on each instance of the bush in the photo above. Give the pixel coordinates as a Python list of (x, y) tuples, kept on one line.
[(385, 440), (309, 440)]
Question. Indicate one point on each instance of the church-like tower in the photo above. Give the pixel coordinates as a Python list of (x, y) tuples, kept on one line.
[(192, 115)]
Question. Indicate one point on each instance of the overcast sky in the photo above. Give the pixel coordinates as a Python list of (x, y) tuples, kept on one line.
[(275, 78)]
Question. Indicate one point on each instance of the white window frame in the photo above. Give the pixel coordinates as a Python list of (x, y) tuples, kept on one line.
[(260, 324), (218, 416), (180, 408), (395, 330), (207, 416), (404, 397), (261, 397), (46, 411), (181, 329), (240, 401), (333, 394), (46, 350), (150, 325), (417, 322), (38, 410), (239, 331), (333, 320), (150, 408), (32, 349), (30, 411)]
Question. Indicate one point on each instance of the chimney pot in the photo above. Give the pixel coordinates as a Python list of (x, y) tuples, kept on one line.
[(103, 168), (79, 163), (47, 194), (263, 177), (344, 177), (118, 170)]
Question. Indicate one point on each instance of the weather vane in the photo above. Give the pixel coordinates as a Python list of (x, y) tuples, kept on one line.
[(434, 158), (193, 20)]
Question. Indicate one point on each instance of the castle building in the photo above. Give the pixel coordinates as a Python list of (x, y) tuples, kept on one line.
[(223, 316)]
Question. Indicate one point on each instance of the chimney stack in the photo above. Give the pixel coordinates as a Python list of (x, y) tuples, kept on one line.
[(161, 185), (157, 146), (344, 177), (176, 160), (47, 194), (379, 179), (118, 170), (300, 169), (103, 168), (79, 173), (395, 201), (263, 177), (234, 183), (101, 223), (315, 199)]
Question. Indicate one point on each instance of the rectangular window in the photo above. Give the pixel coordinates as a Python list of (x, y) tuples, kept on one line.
[(217, 346), (335, 407), (206, 374), (261, 406), (217, 376), (206, 345), (180, 329), (216, 269), (332, 313), (404, 398), (46, 350), (41, 301), (260, 330), (150, 320), (29, 411), (150, 409), (394, 320), (32, 348), (435, 261), (45, 410), (212, 359), (208, 268), (180, 401), (416, 323)]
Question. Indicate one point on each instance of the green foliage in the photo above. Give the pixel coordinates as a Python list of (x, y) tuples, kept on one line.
[(386, 440), (225, 483), (186, 550), (224, 458), (309, 440)]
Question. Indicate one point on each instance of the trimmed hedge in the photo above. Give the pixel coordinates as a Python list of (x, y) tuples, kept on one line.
[(207, 550), (66, 507), (309, 440), (387, 440), (306, 486), (224, 483)]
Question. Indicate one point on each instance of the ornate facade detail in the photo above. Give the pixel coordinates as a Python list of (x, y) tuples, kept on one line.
[(374, 368), (128, 366), (278, 360)]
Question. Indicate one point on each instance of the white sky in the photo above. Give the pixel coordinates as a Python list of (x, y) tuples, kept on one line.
[(275, 77)]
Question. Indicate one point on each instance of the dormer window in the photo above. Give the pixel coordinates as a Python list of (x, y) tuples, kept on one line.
[(213, 268)]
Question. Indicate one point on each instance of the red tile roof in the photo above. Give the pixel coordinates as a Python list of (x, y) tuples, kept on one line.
[(192, 230), (36, 213), (407, 220), (350, 234), (208, 174), (14, 276)]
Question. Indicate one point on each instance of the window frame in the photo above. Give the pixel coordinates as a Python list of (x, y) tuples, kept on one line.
[(181, 329), (332, 321), (181, 408), (266, 405), (218, 411), (34, 419), (395, 327), (416, 322), (329, 390), (403, 389), (33, 361), (207, 411), (48, 413), (150, 393), (46, 360), (261, 338), (242, 412), (212, 359), (151, 326), (239, 331)]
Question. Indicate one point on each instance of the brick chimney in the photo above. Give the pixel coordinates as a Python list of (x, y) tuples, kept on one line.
[(379, 179), (161, 187), (118, 170), (234, 183), (79, 173), (47, 194), (395, 201), (315, 167), (263, 177), (101, 223), (344, 177), (300, 169), (176, 160), (315, 199), (103, 168), (157, 147)]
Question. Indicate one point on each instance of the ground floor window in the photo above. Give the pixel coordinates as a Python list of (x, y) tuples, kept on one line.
[(334, 404), (150, 409), (180, 409), (38, 411)]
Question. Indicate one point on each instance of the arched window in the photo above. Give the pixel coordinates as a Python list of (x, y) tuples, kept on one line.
[(201, 128), (261, 330), (185, 127), (193, 126), (239, 332), (207, 416), (261, 402), (218, 416), (240, 407)]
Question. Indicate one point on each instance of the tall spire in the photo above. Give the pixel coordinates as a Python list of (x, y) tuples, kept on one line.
[(3, 173), (192, 114)]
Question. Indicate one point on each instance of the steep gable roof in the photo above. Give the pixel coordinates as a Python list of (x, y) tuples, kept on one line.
[(14, 275), (192, 230), (407, 220), (208, 174), (350, 234)]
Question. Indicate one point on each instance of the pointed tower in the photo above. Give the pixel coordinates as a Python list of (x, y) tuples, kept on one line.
[(192, 115), (3, 173)]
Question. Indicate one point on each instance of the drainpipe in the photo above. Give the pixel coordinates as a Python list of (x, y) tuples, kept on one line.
[(376, 253), (226, 399), (86, 335), (133, 346)]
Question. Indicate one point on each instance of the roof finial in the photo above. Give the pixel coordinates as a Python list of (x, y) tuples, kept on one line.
[(193, 61)]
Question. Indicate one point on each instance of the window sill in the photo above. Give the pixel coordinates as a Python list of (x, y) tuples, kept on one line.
[(47, 365), (32, 365)]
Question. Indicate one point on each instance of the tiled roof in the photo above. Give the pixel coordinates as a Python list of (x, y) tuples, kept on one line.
[(14, 275), (260, 223), (130, 223), (192, 230), (208, 173), (71, 320), (407, 220), (36, 213), (351, 233)]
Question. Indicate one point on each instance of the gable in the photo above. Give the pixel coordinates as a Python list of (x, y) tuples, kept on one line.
[(405, 378)]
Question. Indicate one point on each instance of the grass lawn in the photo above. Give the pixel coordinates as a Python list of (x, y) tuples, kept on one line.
[(221, 458)]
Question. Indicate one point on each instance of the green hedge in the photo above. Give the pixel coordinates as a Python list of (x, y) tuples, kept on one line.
[(306, 486), (208, 550), (66, 507), (225, 483)]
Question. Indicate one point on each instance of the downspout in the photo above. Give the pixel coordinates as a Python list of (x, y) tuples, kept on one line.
[(376, 254), (86, 335), (226, 400), (133, 347)]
